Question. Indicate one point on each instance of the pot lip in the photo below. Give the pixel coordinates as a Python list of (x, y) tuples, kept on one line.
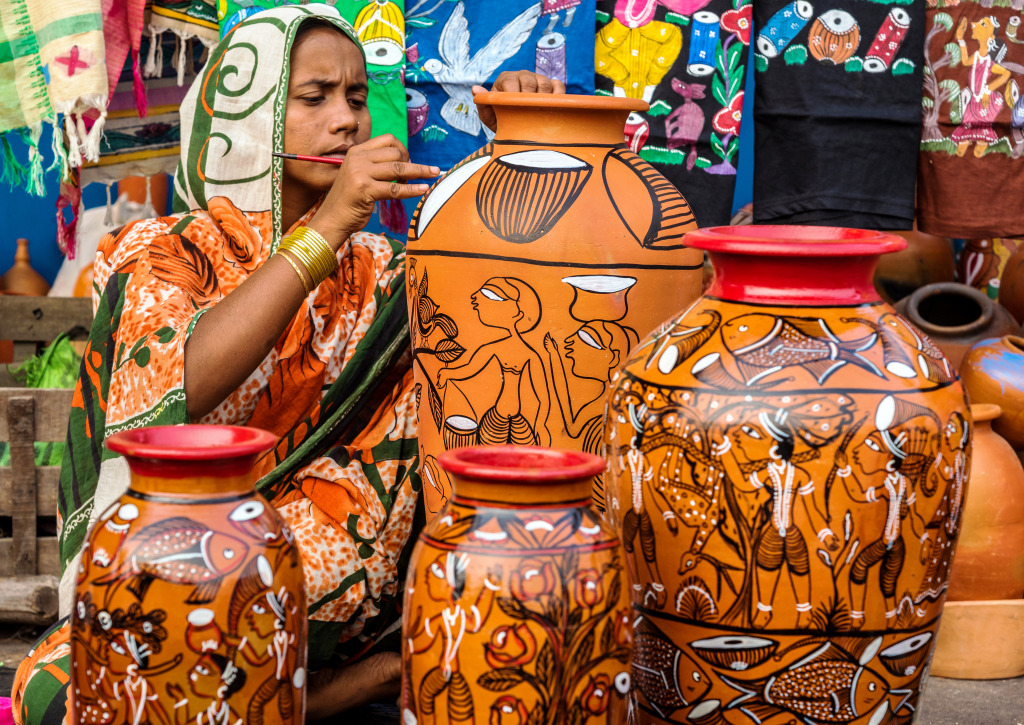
[(773, 240), (191, 442), (536, 465), (982, 412), (560, 100), (988, 307)]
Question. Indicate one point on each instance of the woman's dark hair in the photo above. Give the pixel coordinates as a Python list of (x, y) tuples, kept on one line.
[(312, 23)]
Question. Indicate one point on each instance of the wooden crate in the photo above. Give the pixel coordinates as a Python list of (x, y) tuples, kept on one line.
[(33, 322)]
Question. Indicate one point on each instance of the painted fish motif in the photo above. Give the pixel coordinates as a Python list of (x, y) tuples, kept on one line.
[(829, 685), (668, 677), (181, 551), (782, 342)]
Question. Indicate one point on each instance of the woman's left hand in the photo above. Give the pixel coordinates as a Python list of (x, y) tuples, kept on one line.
[(513, 81)]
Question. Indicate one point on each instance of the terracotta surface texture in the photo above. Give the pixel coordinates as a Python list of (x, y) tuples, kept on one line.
[(1011, 284), (982, 641), (788, 458), (534, 266), (992, 373), (189, 603), (517, 600)]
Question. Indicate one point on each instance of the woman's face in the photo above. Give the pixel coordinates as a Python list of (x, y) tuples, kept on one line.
[(326, 112), (494, 308), (590, 357)]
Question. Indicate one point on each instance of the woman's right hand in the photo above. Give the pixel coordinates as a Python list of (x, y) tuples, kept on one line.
[(372, 172)]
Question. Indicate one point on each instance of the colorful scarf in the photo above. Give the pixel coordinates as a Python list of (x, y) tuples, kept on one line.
[(336, 389)]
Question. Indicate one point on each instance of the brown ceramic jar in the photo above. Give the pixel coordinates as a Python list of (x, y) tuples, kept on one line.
[(534, 266), (926, 260), (517, 600), (1011, 285), (955, 316), (989, 561), (993, 372)]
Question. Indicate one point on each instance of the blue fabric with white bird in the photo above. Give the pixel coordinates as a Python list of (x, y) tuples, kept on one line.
[(452, 46)]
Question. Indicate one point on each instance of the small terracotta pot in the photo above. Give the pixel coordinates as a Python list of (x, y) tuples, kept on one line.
[(993, 372), (926, 260), (21, 278), (1011, 285), (989, 561), (956, 316), (980, 641)]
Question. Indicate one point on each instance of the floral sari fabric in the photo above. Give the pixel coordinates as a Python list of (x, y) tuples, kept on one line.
[(336, 389)]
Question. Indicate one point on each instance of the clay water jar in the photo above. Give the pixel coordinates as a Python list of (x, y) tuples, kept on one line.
[(955, 316), (927, 259)]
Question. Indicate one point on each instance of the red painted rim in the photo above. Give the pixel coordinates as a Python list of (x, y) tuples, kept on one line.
[(191, 442), (560, 100), (794, 241), (520, 464)]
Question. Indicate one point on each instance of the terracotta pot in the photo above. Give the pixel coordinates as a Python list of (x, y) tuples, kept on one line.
[(189, 598), (22, 279), (1011, 285), (956, 316), (992, 373), (989, 560), (516, 601), (982, 262), (83, 283), (534, 266), (981, 641), (786, 462), (927, 259)]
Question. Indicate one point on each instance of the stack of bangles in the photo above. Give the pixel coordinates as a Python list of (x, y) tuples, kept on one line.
[(310, 248)]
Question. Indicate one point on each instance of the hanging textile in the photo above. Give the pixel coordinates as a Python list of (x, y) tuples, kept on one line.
[(687, 59), (184, 20), (971, 177), (837, 112), (122, 37)]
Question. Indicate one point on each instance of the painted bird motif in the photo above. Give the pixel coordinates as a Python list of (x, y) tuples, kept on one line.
[(180, 551), (829, 685), (782, 342), (457, 73)]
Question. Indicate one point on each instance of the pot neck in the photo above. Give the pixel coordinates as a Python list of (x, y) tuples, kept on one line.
[(507, 495), (205, 485), (559, 120)]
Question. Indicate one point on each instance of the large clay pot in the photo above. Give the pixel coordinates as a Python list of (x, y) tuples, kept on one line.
[(517, 599), (989, 560), (1011, 285), (926, 260), (22, 278), (981, 640), (786, 461), (982, 262), (956, 316), (189, 603), (993, 372), (534, 266)]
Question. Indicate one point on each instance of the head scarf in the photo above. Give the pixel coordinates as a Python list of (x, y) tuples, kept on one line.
[(232, 118)]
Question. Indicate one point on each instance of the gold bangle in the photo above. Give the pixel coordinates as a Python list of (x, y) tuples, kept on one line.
[(310, 247), (302, 277)]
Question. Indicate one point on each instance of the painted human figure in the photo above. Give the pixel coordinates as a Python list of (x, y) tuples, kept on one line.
[(213, 679), (512, 305), (129, 649), (980, 100), (637, 522), (893, 453), (445, 581)]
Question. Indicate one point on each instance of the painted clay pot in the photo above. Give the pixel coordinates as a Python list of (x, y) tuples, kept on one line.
[(982, 262), (1011, 285), (989, 560), (926, 260), (956, 316), (517, 599), (786, 459), (189, 602), (533, 267), (992, 373)]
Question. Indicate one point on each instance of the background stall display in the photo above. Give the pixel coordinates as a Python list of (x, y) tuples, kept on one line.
[(687, 58)]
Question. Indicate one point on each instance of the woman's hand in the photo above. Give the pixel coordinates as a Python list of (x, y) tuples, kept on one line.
[(372, 172), (512, 81), (378, 678)]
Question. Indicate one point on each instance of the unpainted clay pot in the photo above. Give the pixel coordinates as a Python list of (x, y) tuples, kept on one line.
[(980, 641), (955, 316), (989, 561), (926, 260), (22, 279), (1011, 285), (993, 372)]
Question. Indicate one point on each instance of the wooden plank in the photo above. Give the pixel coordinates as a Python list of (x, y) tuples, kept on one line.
[(23, 351), (21, 426), (44, 318), (52, 408), (47, 483), (29, 600), (47, 556)]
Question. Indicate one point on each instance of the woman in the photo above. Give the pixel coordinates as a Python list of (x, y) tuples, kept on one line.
[(224, 315)]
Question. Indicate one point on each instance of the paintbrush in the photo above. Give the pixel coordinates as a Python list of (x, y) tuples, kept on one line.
[(318, 159)]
